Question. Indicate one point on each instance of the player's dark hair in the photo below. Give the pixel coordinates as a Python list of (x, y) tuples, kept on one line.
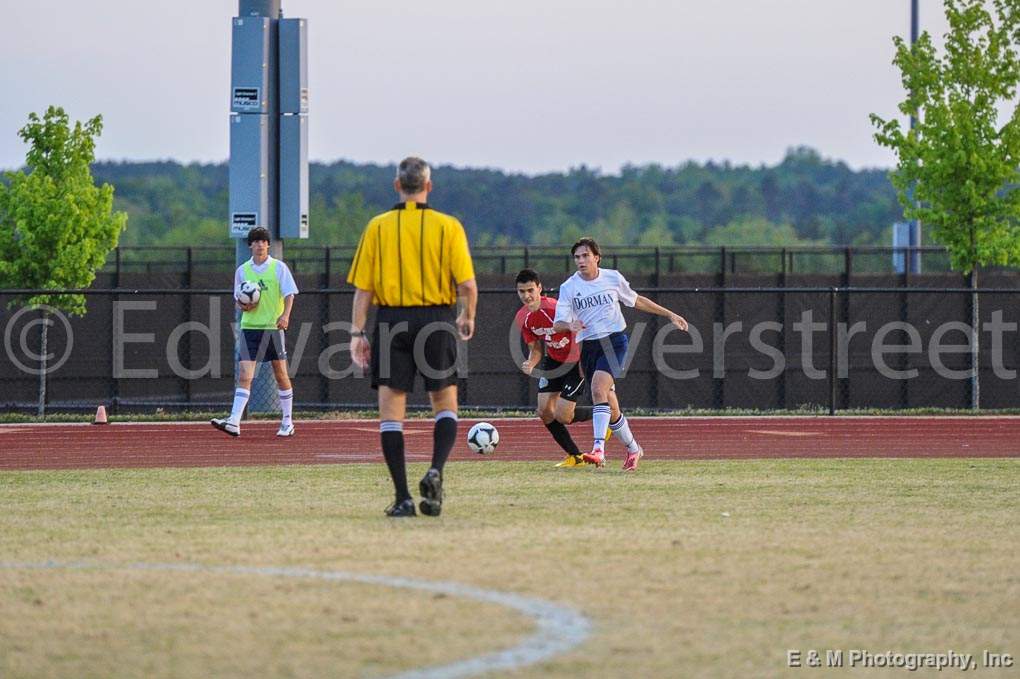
[(528, 276), (590, 243), (259, 233)]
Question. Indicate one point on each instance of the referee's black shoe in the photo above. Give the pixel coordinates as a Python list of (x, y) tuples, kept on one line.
[(431, 487), (402, 508)]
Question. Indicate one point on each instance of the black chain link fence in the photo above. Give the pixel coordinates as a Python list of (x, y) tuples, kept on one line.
[(767, 341), (334, 261)]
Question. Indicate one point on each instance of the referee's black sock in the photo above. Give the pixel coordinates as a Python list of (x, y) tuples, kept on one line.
[(562, 436), (444, 435), (581, 414), (392, 434)]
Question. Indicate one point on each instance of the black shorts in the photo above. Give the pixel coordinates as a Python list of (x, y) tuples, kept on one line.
[(414, 340), (262, 345), (565, 378)]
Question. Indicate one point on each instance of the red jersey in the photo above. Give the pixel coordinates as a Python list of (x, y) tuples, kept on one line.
[(538, 325)]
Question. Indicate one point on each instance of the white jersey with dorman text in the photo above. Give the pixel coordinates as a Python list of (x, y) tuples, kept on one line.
[(595, 303)]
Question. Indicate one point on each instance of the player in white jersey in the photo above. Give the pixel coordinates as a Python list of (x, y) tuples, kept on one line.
[(589, 306)]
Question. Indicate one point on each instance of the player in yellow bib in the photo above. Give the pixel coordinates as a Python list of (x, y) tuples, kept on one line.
[(262, 331)]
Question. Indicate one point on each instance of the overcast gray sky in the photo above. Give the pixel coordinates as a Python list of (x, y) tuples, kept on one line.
[(530, 85)]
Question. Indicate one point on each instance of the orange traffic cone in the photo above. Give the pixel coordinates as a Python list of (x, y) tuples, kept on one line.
[(100, 416)]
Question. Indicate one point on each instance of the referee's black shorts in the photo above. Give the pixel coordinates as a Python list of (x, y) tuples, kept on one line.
[(414, 340)]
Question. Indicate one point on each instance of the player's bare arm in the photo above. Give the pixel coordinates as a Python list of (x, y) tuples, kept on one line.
[(534, 356), (575, 326), (284, 320), (642, 303), (361, 351), (467, 297)]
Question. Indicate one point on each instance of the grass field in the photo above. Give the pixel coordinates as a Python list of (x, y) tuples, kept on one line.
[(699, 569)]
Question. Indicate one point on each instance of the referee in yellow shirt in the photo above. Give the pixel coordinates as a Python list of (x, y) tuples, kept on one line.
[(413, 263)]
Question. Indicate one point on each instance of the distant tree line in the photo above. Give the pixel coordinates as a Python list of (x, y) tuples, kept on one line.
[(803, 200)]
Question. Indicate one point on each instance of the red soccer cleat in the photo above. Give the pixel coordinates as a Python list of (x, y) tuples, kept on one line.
[(630, 464), (597, 457)]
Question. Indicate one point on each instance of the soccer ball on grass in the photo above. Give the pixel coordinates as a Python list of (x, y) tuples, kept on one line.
[(483, 438)]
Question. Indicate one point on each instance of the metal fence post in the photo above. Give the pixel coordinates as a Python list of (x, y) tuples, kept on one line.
[(114, 383), (975, 356), (189, 281), (782, 333), (905, 318), (848, 267), (832, 350), (326, 267), (844, 390), (324, 320)]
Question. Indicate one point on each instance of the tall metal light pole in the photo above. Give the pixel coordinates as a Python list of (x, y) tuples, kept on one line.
[(913, 39), (913, 263), (254, 129)]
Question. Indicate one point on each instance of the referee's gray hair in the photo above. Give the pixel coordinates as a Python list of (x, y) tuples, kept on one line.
[(413, 173)]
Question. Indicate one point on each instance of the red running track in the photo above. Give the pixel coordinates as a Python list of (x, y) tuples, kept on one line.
[(194, 444)]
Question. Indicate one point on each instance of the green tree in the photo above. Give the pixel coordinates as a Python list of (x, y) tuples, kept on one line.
[(56, 225), (753, 231), (820, 198), (958, 167), (657, 234)]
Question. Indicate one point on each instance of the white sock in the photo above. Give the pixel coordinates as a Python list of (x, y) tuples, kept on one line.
[(240, 401), (287, 404), (599, 422), (621, 428)]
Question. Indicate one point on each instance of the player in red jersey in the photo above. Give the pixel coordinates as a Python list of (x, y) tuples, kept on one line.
[(553, 356)]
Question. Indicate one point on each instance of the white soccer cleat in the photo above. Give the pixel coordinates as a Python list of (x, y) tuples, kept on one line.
[(286, 430), (226, 426)]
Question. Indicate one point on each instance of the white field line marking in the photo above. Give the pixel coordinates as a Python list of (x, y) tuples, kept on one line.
[(784, 433), (560, 628)]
